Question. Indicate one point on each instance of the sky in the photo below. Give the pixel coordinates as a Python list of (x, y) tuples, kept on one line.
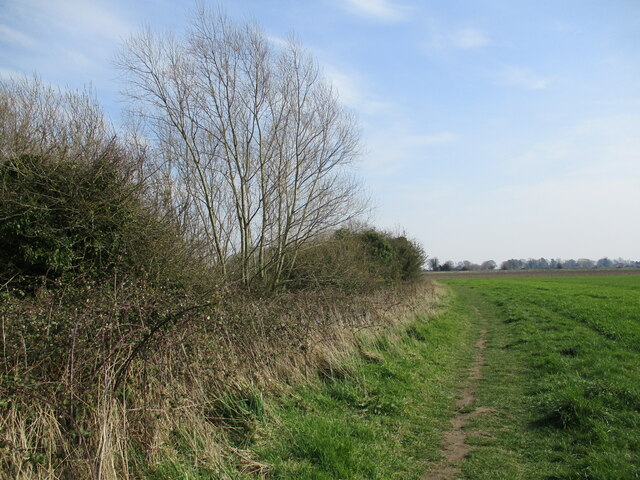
[(491, 129)]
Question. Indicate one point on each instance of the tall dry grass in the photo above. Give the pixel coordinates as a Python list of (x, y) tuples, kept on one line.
[(107, 381)]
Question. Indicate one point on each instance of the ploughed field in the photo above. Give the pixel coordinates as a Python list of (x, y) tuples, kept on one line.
[(561, 379)]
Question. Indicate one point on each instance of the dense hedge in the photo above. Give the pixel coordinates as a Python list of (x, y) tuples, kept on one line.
[(64, 218), (61, 215), (357, 260)]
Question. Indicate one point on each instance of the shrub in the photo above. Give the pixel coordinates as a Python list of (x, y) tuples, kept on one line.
[(61, 216), (409, 257), (358, 260)]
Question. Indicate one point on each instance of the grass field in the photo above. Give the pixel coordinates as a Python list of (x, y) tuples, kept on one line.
[(560, 390), (562, 378)]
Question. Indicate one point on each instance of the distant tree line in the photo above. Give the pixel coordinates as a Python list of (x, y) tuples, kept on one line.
[(531, 264)]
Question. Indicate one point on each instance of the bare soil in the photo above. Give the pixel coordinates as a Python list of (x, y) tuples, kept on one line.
[(454, 446)]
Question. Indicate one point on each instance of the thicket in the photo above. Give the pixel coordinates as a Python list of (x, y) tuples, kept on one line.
[(357, 259), (127, 342)]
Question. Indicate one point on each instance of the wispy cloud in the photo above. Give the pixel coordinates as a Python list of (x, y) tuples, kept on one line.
[(354, 91), (380, 9), (565, 27), (602, 146), (16, 38), (395, 149), (62, 39), (468, 38), (522, 77), (277, 41), (94, 19)]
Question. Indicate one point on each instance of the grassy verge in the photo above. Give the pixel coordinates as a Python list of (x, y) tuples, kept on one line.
[(561, 376), (380, 416)]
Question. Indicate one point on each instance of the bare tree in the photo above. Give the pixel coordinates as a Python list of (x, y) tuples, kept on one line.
[(255, 143)]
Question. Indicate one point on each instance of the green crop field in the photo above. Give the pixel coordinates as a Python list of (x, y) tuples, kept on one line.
[(561, 377)]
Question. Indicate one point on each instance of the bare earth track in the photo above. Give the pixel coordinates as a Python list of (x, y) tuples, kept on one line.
[(454, 446)]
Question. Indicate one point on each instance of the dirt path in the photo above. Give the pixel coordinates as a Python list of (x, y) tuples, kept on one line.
[(454, 446)]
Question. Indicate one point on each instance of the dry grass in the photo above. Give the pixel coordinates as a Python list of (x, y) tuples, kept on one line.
[(191, 395)]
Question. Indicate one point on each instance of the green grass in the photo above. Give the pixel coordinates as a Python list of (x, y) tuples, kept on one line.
[(563, 376), (383, 420)]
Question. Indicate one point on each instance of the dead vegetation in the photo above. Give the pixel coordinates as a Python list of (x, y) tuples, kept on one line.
[(85, 407)]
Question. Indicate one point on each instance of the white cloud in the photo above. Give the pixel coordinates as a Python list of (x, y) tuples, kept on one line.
[(90, 19), (354, 91), (94, 18), (602, 145), (522, 77), (379, 9), (395, 149), (565, 27), (14, 37), (442, 40), (390, 144), (277, 41), (67, 40), (574, 215)]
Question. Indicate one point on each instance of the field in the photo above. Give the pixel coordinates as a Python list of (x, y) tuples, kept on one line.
[(512, 378), (561, 378)]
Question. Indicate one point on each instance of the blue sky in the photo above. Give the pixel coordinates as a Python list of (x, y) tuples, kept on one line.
[(491, 128)]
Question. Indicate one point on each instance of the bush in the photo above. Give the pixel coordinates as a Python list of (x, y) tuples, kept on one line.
[(357, 260), (62, 216), (66, 218), (409, 257)]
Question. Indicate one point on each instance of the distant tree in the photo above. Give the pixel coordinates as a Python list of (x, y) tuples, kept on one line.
[(604, 263), (447, 266), (434, 264), (543, 263), (585, 263), (488, 265), (619, 263), (468, 266), (512, 264)]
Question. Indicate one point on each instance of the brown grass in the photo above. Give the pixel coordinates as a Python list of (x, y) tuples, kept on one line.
[(83, 410)]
